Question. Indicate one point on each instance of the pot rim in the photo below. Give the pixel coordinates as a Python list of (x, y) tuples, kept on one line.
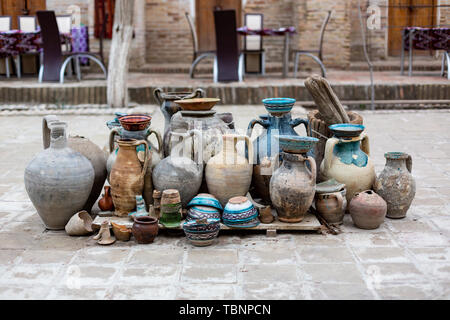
[(145, 220), (396, 155)]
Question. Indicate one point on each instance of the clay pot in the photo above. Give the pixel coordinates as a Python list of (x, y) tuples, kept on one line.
[(265, 215), (204, 206), (367, 210), (145, 229), (292, 187), (229, 174), (396, 185), (170, 208), (202, 232), (127, 176), (106, 202), (88, 149), (331, 207), (121, 232), (179, 171), (58, 180), (240, 212), (80, 224)]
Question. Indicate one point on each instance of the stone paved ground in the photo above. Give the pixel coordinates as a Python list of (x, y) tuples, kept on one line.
[(403, 259)]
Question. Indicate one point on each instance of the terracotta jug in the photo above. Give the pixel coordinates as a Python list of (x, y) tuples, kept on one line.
[(178, 171), (396, 185), (127, 176), (88, 149), (106, 202), (58, 180), (347, 161), (292, 187), (229, 174)]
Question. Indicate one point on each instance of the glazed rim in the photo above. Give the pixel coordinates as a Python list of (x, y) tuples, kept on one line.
[(145, 220), (396, 155), (352, 126), (197, 100), (135, 118), (272, 102), (296, 138)]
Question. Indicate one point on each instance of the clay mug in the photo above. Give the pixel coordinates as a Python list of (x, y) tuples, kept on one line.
[(331, 207)]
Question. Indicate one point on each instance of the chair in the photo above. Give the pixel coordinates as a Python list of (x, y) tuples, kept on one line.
[(53, 61), (27, 23), (316, 55), (5, 25), (228, 62), (253, 45), (64, 23), (445, 59), (197, 55)]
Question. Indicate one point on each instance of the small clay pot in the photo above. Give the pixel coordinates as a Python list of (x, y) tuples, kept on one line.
[(121, 232), (331, 207), (106, 202), (367, 210), (145, 229), (265, 215)]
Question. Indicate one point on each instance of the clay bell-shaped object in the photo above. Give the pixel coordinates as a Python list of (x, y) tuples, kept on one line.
[(104, 236), (367, 210)]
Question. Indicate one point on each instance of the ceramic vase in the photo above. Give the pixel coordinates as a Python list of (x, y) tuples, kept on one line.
[(170, 208), (88, 149), (229, 174), (331, 207), (396, 185), (127, 176), (58, 180), (145, 229), (179, 171), (106, 202), (367, 210)]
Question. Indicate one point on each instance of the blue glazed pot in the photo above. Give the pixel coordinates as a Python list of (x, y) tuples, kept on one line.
[(202, 232), (239, 212)]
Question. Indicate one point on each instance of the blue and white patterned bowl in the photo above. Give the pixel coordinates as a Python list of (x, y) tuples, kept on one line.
[(296, 144), (202, 232), (202, 212), (278, 105), (206, 200), (239, 212)]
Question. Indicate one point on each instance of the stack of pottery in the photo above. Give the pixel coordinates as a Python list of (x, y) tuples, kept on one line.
[(229, 174), (347, 159), (367, 210), (202, 232), (59, 180), (292, 186), (330, 201), (239, 212), (127, 176), (178, 171), (265, 147), (168, 108), (88, 149), (396, 185), (204, 206), (136, 126), (170, 208)]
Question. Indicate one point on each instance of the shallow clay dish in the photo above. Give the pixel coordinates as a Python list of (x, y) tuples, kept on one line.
[(135, 122), (197, 104)]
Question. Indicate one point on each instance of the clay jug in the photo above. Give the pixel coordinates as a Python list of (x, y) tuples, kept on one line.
[(347, 161), (127, 176), (88, 149), (106, 202), (229, 174), (367, 210), (396, 185), (292, 187), (178, 171), (331, 206), (168, 108), (58, 180)]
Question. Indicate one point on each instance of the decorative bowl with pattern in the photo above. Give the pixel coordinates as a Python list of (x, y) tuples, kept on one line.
[(202, 232), (239, 212)]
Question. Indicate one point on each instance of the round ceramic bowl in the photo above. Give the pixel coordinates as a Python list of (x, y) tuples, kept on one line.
[(240, 212), (296, 144), (206, 200), (135, 122), (202, 212), (197, 104), (202, 232), (346, 130), (278, 105)]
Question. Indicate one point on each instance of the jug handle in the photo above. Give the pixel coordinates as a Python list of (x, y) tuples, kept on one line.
[(298, 121), (189, 133), (198, 93), (46, 130), (146, 156), (252, 123), (249, 146), (313, 165), (365, 143), (339, 198), (158, 137), (112, 134), (409, 163), (328, 154), (157, 95)]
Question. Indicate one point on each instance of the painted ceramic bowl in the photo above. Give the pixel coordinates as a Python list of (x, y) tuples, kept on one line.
[(296, 144), (135, 122), (278, 105), (202, 232), (206, 200), (197, 104), (347, 130), (202, 212), (239, 212)]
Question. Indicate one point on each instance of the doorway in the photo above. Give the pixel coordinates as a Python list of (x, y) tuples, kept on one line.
[(16, 8)]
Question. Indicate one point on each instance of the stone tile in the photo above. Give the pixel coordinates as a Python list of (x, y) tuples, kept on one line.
[(269, 254), (74, 293), (423, 239), (369, 239), (271, 273), (381, 273), (403, 292), (39, 257), (431, 254), (87, 275), (31, 275), (101, 256), (315, 239), (163, 291), (410, 225), (17, 240), (437, 271), (442, 223), (200, 291), (343, 291), (20, 292), (24, 227), (202, 256), (9, 256), (381, 254), (59, 241), (331, 273), (209, 273), (272, 291), (150, 275), (156, 257), (324, 255)]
